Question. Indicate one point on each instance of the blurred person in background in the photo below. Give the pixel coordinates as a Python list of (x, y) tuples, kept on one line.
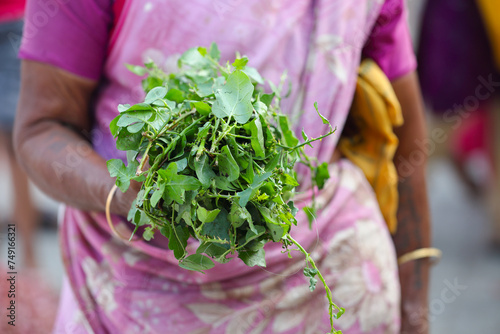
[(459, 63), (23, 213), (35, 301)]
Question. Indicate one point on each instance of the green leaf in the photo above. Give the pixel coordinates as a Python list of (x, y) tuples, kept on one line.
[(203, 131), (311, 214), (132, 211), (176, 185), (260, 107), (206, 216), (219, 227), (269, 135), (311, 273), (253, 74), (234, 98), (155, 94), (277, 229), (139, 107), (325, 121), (273, 162), (127, 141), (139, 70), (239, 215), (288, 136), (240, 63), (202, 107), (227, 165), (123, 173), (214, 52), (257, 141), (134, 128), (248, 193), (157, 194), (251, 235), (196, 262), (178, 150), (249, 172), (151, 82), (206, 88), (185, 211), (223, 183), (203, 171), (267, 99), (181, 165), (175, 95), (194, 59), (123, 107), (133, 117), (292, 207), (219, 83), (143, 219), (213, 250), (113, 127), (149, 233), (253, 258), (177, 240), (140, 197), (305, 137), (290, 180), (162, 116), (321, 175), (202, 51)]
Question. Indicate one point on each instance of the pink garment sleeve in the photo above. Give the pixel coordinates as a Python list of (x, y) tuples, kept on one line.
[(71, 34), (389, 44)]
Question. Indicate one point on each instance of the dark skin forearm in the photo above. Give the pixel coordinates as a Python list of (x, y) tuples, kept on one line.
[(50, 143), (413, 214)]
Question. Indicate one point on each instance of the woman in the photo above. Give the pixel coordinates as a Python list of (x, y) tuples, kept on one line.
[(24, 213), (459, 74), (73, 79)]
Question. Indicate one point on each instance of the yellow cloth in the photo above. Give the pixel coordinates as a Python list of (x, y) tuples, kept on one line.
[(368, 139), (490, 11)]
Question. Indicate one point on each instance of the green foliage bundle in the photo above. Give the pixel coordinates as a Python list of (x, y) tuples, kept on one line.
[(215, 156)]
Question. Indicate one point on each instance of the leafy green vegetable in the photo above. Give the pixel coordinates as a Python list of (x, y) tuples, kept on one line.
[(197, 262), (216, 158), (234, 99)]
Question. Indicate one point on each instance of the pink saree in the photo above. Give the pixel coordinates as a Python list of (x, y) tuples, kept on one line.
[(137, 287)]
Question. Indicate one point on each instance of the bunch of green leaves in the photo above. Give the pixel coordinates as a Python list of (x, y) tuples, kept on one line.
[(216, 159)]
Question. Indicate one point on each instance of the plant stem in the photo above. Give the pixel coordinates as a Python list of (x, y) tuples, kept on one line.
[(223, 134), (331, 305), (239, 136), (219, 196), (161, 157), (144, 159), (162, 131), (307, 142)]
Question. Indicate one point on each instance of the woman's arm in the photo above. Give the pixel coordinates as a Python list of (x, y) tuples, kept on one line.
[(413, 214), (52, 123)]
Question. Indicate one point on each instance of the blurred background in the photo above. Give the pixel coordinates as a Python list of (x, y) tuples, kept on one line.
[(457, 53)]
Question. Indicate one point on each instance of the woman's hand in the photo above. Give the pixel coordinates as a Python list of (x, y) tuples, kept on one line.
[(51, 139), (122, 202), (413, 213)]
